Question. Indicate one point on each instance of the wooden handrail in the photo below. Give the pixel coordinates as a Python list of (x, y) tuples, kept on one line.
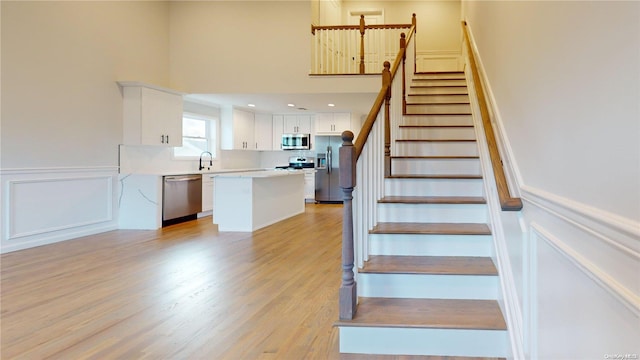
[(507, 202), (357, 27), (377, 105)]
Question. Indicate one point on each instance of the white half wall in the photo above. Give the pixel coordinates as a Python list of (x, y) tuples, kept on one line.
[(563, 81)]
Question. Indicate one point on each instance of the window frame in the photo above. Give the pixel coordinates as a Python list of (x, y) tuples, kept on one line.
[(211, 131)]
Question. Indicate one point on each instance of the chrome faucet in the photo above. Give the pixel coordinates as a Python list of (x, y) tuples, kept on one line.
[(200, 167)]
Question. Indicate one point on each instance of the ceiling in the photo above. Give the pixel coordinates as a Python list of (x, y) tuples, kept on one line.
[(303, 103)]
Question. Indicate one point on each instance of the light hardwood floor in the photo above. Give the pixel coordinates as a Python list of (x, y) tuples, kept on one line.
[(182, 292)]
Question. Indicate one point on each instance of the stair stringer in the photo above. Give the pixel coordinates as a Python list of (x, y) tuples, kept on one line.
[(507, 291)]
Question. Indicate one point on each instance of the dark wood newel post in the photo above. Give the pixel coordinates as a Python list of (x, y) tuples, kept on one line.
[(348, 291), (386, 81), (362, 44)]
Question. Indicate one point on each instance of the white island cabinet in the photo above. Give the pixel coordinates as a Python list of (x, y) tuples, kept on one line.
[(248, 201)]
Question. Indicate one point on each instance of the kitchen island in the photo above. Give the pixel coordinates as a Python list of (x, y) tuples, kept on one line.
[(248, 201)]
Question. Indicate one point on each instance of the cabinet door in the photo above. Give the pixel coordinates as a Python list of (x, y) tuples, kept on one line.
[(160, 118), (207, 193), (324, 123), (290, 124), (304, 124), (243, 130), (332, 123), (278, 130), (341, 122), (263, 132)]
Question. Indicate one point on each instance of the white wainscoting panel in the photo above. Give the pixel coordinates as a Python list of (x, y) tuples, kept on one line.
[(427, 61), (580, 311), (43, 206)]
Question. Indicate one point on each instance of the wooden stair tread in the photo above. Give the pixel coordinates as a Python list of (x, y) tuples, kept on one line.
[(435, 176), (439, 72), (431, 228), (436, 157), (436, 140), (350, 356), (432, 200), (436, 126), (436, 86), (440, 103), (427, 313), (432, 114), (432, 265), (436, 114)]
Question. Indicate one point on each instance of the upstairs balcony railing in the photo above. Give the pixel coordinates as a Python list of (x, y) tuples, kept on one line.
[(355, 49)]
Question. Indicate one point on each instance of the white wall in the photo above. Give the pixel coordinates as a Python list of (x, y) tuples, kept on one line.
[(62, 110), (438, 31), (248, 47), (60, 64), (564, 82)]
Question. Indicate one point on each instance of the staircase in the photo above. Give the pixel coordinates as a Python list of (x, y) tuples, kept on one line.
[(430, 286)]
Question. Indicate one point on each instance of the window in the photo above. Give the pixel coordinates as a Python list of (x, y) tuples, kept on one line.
[(198, 136)]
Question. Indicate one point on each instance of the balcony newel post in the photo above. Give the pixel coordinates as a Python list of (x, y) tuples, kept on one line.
[(403, 46), (348, 295), (414, 23), (362, 28), (386, 81)]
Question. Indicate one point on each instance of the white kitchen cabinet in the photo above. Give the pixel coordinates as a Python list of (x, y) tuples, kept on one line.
[(297, 124), (238, 127), (151, 115), (207, 193), (263, 132), (310, 185), (278, 130), (332, 123)]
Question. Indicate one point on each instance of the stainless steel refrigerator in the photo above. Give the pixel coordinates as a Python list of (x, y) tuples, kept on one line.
[(328, 169)]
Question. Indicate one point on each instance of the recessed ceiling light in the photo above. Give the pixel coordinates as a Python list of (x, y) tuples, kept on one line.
[(251, 105), (291, 105), (331, 105)]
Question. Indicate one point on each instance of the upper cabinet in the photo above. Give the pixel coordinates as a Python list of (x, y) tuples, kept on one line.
[(297, 124), (263, 132), (238, 128), (151, 115), (333, 123), (291, 124)]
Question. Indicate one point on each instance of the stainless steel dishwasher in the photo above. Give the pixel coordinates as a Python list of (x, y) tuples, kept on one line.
[(181, 198)]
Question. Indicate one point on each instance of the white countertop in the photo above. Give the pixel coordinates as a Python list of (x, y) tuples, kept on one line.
[(223, 171), (259, 173)]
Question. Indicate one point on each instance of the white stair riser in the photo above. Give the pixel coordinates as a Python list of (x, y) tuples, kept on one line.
[(438, 82), (435, 166), (413, 286), (434, 187), (438, 90), (438, 98), (438, 109), (431, 245), (456, 76), (420, 148), (438, 120), (411, 341), (437, 133), (448, 213)]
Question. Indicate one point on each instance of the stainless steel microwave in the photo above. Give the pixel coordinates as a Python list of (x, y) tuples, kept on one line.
[(296, 141)]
